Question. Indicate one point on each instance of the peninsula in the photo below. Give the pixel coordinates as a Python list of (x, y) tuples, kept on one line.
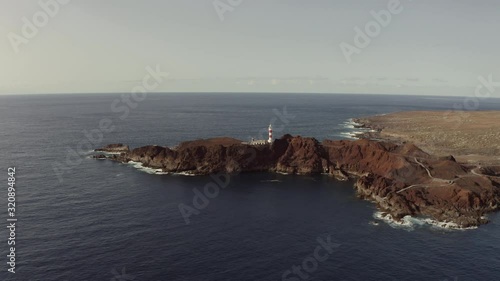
[(402, 179)]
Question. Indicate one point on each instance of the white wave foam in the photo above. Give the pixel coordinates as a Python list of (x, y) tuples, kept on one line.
[(350, 122), (447, 225), (139, 166), (109, 153), (184, 174), (353, 129), (387, 218), (351, 135), (409, 222)]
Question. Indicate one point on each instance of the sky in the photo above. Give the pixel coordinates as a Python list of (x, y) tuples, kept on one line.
[(427, 47)]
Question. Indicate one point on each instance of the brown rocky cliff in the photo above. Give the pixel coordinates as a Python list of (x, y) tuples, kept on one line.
[(401, 179), (302, 156)]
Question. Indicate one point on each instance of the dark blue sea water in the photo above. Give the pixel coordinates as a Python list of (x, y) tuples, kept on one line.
[(109, 221)]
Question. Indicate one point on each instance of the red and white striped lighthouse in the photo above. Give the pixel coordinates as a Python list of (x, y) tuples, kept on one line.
[(270, 140)]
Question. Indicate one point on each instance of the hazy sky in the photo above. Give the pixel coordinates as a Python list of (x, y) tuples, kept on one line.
[(431, 47)]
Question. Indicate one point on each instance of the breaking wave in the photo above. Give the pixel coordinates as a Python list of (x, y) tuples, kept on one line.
[(139, 166), (410, 223)]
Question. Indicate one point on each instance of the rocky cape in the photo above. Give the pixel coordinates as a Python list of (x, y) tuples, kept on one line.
[(401, 179)]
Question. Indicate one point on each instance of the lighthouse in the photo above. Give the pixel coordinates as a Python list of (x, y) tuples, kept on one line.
[(270, 140)]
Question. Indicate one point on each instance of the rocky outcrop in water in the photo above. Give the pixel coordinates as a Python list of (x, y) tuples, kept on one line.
[(113, 148), (400, 178)]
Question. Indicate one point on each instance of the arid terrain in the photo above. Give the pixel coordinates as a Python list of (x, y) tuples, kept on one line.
[(472, 137)]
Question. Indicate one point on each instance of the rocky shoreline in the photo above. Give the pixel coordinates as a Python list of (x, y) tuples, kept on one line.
[(400, 178)]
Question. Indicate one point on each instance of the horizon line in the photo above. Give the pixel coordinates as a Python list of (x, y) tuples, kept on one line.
[(232, 92)]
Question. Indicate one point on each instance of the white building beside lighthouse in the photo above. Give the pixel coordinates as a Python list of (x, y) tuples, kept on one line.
[(264, 142)]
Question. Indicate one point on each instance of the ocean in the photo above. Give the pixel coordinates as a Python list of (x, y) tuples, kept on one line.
[(85, 219)]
